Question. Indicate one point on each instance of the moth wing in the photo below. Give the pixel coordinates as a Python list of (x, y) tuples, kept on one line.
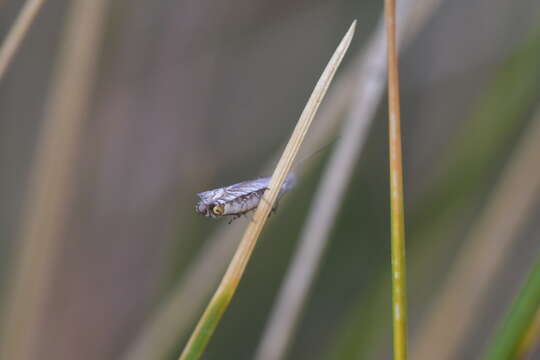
[(246, 187), (232, 192), (210, 195), (250, 186)]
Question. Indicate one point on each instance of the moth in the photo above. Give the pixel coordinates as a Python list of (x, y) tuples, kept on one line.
[(238, 199)]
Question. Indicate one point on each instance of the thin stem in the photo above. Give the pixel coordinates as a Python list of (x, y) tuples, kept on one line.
[(226, 289), (399, 286)]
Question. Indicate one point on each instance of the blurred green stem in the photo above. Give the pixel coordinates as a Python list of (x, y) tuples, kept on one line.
[(516, 325)]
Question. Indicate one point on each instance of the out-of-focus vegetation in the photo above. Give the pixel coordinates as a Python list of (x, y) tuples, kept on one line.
[(188, 96)]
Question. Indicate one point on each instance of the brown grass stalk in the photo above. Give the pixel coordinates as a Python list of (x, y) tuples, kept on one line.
[(179, 308), (229, 284)]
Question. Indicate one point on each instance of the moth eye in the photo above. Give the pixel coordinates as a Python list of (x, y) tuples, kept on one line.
[(218, 210)]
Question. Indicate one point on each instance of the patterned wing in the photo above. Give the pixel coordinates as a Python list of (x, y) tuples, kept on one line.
[(211, 196), (229, 193), (259, 184), (247, 187)]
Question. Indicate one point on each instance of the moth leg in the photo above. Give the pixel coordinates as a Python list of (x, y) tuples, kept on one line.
[(250, 217), (274, 209), (234, 217)]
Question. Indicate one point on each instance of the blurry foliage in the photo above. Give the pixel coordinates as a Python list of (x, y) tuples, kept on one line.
[(170, 121), (509, 341), (470, 168)]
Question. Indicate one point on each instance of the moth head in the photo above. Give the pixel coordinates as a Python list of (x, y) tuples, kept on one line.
[(209, 209)]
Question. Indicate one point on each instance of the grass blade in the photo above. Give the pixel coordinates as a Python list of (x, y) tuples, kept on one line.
[(399, 285), (221, 299), (177, 312), (18, 32), (522, 314), (313, 239)]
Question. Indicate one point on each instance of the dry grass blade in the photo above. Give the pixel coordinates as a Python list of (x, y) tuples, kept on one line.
[(52, 180), (292, 295), (177, 312), (485, 249), (228, 285), (17, 33), (179, 308), (399, 275)]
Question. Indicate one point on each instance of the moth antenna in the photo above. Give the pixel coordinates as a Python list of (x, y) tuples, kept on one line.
[(324, 147)]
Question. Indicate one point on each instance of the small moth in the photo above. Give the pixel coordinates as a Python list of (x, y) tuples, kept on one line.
[(238, 199)]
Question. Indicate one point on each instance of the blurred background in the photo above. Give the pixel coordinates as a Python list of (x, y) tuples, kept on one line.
[(171, 98)]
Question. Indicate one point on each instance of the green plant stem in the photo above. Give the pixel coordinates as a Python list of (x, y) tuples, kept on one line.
[(399, 284), (507, 340)]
